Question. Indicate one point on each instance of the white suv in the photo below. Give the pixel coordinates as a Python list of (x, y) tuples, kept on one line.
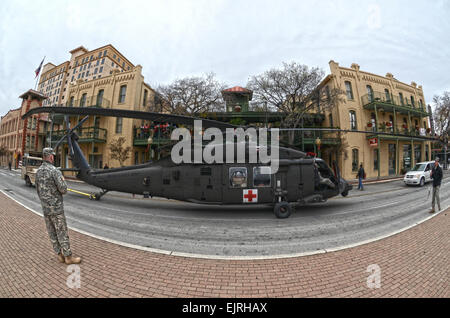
[(420, 175)]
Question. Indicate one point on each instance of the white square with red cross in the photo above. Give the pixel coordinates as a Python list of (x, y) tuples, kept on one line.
[(250, 196)]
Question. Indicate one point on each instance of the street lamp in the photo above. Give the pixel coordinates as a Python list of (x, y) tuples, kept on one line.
[(318, 143)]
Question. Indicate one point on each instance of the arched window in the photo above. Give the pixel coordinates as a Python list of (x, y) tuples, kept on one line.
[(355, 159), (83, 100), (370, 93), (100, 98), (144, 102), (412, 101), (402, 101), (388, 95), (373, 121), (353, 124), (348, 87), (122, 94)]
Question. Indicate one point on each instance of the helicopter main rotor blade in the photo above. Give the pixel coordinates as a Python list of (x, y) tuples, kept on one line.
[(157, 117), (80, 123)]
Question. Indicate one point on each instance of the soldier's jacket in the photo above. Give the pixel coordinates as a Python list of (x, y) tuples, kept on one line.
[(50, 187)]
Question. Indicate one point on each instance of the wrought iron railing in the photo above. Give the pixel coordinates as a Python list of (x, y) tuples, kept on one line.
[(85, 134), (391, 99)]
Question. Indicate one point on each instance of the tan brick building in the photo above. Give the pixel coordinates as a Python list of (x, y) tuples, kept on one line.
[(380, 104), (105, 78)]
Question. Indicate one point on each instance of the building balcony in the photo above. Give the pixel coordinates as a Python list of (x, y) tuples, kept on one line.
[(159, 136), (407, 133), (380, 101), (85, 135), (310, 137)]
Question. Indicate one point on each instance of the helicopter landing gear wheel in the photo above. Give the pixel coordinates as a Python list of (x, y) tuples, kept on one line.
[(282, 210)]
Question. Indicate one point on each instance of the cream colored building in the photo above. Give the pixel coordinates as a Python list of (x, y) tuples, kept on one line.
[(380, 104), (83, 65), (105, 78), (120, 90)]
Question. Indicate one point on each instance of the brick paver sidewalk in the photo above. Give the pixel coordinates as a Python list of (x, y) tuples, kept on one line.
[(414, 263)]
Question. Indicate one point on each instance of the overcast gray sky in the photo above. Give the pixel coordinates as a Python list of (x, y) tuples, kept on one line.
[(234, 39)]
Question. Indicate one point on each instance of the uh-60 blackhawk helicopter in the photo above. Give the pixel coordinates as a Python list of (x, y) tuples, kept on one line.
[(299, 178)]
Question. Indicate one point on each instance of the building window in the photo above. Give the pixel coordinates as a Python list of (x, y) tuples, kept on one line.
[(123, 91), (400, 96), (370, 93), (348, 87), (101, 69), (412, 101), (100, 97), (353, 124), (114, 56), (83, 100), (112, 64), (119, 122), (375, 159), (95, 71), (73, 78), (355, 159), (104, 53), (103, 61), (330, 118), (144, 102), (387, 94), (87, 73)]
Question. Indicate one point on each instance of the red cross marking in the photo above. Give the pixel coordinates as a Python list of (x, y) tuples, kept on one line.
[(250, 196)]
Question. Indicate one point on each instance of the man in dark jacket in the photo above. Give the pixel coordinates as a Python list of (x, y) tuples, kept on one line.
[(361, 174), (436, 175)]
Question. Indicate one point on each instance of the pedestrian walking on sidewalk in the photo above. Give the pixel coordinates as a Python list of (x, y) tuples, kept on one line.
[(361, 175), (51, 186), (436, 175), (9, 164)]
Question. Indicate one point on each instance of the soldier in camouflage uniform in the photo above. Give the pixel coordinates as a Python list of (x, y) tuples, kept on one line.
[(50, 187)]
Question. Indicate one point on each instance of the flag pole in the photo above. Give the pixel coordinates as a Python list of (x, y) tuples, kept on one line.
[(39, 75)]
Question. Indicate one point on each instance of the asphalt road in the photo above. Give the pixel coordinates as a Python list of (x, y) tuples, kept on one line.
[(236, 230)]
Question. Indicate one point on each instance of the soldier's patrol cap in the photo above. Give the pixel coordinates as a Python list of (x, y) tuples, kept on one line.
[(48, 151)]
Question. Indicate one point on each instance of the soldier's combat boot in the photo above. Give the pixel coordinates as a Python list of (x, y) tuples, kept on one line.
[(432, 210), (61, 258), (72, 260)]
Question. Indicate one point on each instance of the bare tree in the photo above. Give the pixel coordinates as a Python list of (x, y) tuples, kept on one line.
[(441, 118), (293, 89), (118, 151), (441, 113), (192, 95)]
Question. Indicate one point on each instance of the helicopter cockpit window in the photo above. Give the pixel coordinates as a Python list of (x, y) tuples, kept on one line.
[(261, 176), (238, 177)]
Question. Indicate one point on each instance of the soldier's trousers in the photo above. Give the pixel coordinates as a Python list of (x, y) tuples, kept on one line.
[(436, 197), (59, 236)]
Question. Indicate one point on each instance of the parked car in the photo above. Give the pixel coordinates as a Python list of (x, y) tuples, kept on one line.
[(420, 175)]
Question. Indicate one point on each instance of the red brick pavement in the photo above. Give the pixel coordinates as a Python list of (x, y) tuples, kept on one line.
[(413, 263)]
